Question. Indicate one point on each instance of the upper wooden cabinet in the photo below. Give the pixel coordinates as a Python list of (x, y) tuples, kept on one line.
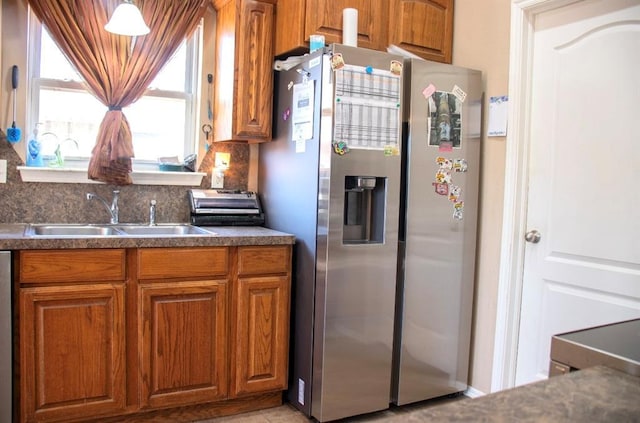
[(244, 77), (423, 27), (296, 20)]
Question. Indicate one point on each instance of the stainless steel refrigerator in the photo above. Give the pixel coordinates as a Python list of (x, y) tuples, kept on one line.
[(437, 249), (332, 177), (343, 179)]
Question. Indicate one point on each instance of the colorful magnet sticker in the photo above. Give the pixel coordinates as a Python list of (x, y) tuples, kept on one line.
[(428, 92), (396, 67), (444, 163), (340, 147), (286, 114), (459, 93), (454, 193), (458, 209), (460, 165), (337, 62), (443, 176), (368, 70), (391, 150), (441, 189), (445, 146)]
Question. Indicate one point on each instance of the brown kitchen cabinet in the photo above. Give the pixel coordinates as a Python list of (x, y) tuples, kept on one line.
[(243, 86), (72, 334), (110, 333), (423, 27), (297, 20), (182, 325), (260, 326)]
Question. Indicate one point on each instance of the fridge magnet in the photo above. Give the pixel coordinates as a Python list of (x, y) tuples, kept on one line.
[(340, 148), (396, 67), (337, 62), (368, 70), (445, 121), (445, 146), (458, 209), (428, 92), (454, 193), (286, 114), (290, 85), (443, 177), (459, 93), (391, 150), (444, 163), (460, 165), (441, 189)]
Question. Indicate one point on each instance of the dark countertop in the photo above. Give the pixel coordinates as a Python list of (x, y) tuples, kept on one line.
[(616, 345), (12, 238), (596, 394)]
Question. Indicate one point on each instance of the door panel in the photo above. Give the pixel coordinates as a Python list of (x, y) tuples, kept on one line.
[(325, 18), (583, 194), (183, 331)]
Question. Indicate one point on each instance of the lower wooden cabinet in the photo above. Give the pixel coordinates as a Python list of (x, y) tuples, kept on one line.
[(183, 333), (72, 352), (159, 329), (260, 347)]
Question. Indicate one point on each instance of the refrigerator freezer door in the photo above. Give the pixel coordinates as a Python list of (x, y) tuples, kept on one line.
[(443, 118), (356, 276)]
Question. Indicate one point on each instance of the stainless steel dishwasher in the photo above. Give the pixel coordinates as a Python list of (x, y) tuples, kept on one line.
[(5, 336)]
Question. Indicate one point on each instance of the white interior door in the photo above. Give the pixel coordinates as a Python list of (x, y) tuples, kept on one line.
[(584, 176)]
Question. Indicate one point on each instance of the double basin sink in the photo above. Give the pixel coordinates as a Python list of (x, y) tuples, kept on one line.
[(82, 230)]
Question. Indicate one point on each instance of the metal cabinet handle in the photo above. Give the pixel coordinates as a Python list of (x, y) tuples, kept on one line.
[(533, 236)]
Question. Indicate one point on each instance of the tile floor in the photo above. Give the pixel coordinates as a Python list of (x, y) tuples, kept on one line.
[(288, 414)]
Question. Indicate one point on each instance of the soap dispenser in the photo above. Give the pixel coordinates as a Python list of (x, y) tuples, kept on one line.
[(34, 150)]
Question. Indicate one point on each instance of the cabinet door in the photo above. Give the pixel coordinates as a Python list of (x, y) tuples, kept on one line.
[(423, 27), (260, 335), (325, 17), (243, 93), (183, 335), (255, 77), (72, 351)]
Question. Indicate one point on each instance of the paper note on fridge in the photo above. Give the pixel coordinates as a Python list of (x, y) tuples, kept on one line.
[(498, 110), (302, 113)]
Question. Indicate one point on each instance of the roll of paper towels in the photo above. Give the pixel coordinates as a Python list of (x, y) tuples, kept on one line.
[(350, 27)]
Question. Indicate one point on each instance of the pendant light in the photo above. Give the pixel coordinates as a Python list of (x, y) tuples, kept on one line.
[(127, 20)]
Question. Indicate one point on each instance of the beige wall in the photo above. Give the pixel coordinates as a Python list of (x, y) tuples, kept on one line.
[(481, 41)]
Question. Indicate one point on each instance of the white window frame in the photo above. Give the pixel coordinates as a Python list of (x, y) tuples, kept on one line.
[(74, 164)]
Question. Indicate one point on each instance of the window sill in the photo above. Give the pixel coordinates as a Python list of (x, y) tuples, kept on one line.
[(138, 177)]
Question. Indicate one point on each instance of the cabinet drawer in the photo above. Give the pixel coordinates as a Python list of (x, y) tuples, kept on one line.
[(264, 260), (72, 266), (159, 263)]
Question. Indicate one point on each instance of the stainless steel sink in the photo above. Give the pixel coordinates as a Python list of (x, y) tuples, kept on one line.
[(81, 230), (58, 230), (163, 230)]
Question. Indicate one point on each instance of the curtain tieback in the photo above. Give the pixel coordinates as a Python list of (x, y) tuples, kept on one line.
[(116, 108)]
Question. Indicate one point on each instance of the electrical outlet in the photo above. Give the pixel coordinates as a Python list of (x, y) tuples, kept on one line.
[(217, 179), (3, 171)]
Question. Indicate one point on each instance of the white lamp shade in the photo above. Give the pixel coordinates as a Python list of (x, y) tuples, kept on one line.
[(127, 20)]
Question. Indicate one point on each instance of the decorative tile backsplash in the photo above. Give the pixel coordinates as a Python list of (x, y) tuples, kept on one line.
[(36, 202)]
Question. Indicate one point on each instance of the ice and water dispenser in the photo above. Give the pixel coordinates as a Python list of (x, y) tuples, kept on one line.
[(364, 209)]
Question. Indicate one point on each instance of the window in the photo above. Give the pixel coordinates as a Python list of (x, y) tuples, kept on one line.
[(163, 122)]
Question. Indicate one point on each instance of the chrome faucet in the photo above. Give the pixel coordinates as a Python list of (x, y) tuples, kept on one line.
[(112, 209), (152, 213)]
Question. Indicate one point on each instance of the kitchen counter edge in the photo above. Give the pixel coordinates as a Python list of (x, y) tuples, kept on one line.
[(12, 238)]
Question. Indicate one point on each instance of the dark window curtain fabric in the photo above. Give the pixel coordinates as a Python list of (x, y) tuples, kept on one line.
[(116, 68)]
